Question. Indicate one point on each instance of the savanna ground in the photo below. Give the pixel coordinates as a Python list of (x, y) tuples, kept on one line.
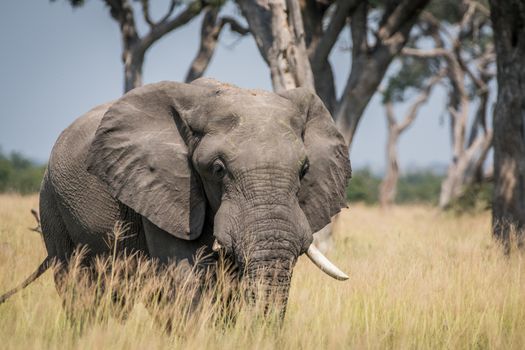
[(418, 279)]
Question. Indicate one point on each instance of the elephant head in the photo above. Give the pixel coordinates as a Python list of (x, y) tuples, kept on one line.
[(270, 169)]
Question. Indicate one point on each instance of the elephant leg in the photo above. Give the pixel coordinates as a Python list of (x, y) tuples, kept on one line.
[(56, 237), (61, 248)]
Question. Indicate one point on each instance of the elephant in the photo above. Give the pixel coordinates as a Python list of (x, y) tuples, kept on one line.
[(206, 165)]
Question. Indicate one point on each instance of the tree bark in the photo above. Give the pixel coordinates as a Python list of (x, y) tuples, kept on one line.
[(133, 63), (508, 205), (278, 30)]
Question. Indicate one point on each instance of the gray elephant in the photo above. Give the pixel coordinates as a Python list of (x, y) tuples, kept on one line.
[(186, 166)]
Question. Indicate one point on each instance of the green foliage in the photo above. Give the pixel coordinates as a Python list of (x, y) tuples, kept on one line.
[(19, 174), (414, 187), (363, 187), (446, 10), (476, 198), (419, 187), (413, 73), (450, 11)]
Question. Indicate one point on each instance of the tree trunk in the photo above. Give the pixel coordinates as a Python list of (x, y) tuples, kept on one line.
[(320, 36), (508, 205), (364, 80), (278, 30), (209, 36), (388, 188), (132, 69), (463, 172)]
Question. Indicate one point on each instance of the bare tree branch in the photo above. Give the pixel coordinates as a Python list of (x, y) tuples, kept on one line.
[(343, 9), (427, 53), (38, 227), (389, 108), (359, 30), (145, 12), (173, 4), (234, 25), (420, 100), (210, 31), (398, 20), (190, 12)]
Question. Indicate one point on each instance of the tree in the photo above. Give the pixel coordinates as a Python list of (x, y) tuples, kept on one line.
[(508, 205), (388, 187), (468, 56)]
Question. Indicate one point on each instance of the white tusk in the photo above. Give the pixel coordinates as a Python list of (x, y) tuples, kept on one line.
[(216, 246), (324, 264)]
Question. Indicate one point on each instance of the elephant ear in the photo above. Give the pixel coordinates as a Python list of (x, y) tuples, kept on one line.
[(323, 188), (140, 150)]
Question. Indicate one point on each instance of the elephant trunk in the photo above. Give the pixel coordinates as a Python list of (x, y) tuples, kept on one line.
[(263, 227), (269, 255), (268, 286)]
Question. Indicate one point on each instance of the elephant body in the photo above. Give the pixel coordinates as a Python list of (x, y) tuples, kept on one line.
[(201, 166)]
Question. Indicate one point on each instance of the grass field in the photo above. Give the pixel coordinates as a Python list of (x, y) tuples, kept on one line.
[(418, 279)]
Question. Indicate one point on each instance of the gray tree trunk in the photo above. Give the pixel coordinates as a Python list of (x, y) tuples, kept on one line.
[(320, 37), (508, 205), (388, 187), (465, 170), (133, 63), (278, 30)]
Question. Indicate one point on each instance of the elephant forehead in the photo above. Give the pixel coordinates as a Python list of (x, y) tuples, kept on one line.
[(262, 111), (267, 141)]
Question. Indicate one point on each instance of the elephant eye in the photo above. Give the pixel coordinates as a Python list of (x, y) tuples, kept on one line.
[(304, 168), (218, 169)]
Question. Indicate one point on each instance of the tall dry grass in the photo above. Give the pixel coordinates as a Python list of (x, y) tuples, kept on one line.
[(418, 279)]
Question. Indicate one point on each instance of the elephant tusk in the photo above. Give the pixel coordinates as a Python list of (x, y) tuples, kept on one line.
[(216, 246), (324, 264)]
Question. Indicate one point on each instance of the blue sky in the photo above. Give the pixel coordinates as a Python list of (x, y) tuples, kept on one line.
[(56, 63)]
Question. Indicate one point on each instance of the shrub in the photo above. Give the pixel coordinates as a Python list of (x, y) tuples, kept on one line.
[(19, 174)]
